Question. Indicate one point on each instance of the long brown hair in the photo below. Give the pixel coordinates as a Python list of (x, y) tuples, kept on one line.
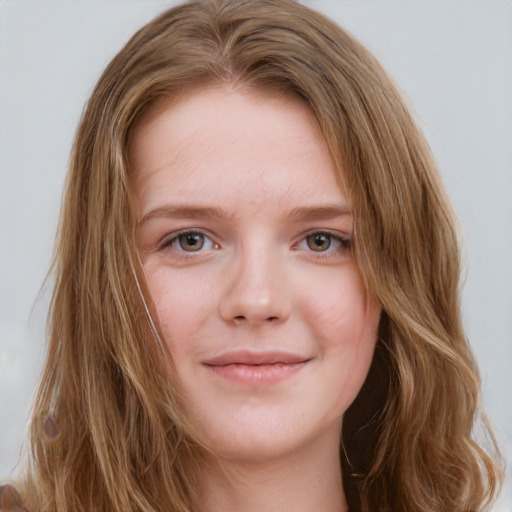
[(122, 441)]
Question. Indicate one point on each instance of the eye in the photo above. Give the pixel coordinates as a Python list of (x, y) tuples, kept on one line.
[(326, 242), (319, 242), (188, 241)]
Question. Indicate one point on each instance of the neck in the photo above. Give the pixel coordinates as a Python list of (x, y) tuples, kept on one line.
[(305, 481)]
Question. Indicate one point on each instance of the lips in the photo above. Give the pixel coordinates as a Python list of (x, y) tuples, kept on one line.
[(252, 358), (256, 368)]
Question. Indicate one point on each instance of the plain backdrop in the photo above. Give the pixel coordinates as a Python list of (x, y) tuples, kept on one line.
[(452, 59)]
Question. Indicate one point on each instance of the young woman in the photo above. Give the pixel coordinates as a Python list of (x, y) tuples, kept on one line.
[(257, 286)]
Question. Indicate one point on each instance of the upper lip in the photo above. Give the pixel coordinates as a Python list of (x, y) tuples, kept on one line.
[(255, 358)]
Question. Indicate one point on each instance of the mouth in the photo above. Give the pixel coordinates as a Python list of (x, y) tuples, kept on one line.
[(256, 368)]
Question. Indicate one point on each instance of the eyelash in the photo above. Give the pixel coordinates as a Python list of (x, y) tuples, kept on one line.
[(343, 243), (171, 238)]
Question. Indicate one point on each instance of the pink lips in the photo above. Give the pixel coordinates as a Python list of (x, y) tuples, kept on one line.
[(256, 368)]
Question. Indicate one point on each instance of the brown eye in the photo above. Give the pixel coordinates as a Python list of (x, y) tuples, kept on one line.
[(319, 242), (190, 242)]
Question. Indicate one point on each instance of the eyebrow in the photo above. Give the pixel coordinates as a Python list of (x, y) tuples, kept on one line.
[(323, 212), (184, 212), (311, 213)]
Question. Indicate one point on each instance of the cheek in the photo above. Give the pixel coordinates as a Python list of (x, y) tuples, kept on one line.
[(183, 302), (344, 320), (344, 311)]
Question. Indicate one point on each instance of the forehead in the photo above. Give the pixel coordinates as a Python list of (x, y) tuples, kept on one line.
[(220, 141)]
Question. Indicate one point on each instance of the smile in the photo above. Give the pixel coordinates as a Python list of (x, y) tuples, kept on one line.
[(256, 368)]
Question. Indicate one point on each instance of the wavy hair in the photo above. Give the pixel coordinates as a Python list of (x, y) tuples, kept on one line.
[(122, 442)]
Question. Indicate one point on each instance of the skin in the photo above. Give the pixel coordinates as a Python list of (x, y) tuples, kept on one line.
[(260, 302)]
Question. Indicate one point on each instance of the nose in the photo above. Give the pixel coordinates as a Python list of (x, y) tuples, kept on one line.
[(256, 292)]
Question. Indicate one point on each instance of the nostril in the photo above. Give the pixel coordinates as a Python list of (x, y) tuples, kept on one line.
[(241, 318)]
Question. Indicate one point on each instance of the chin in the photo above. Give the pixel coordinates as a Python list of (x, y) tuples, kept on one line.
[(267, 439)]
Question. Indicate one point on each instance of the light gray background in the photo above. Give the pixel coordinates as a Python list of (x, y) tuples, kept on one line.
[(453, 60)]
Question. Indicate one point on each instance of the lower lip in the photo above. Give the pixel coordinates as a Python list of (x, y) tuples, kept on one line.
[(257, 374)]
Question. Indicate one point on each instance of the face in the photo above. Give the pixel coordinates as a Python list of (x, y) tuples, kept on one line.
[(246, 241)]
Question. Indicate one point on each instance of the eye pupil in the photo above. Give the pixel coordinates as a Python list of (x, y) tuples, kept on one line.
[(319, 242), (191, 241)]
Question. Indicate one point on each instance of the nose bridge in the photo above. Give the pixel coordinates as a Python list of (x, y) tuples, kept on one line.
[(256, 291)]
